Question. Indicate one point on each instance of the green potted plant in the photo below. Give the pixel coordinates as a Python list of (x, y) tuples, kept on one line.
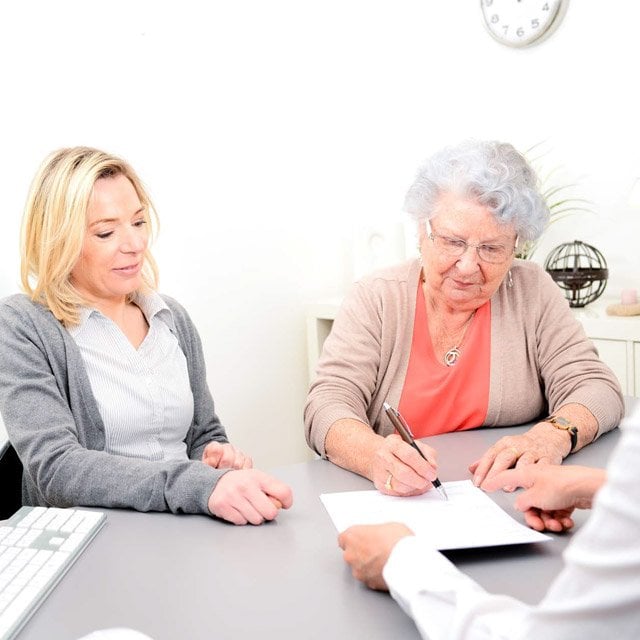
[(557, 196)]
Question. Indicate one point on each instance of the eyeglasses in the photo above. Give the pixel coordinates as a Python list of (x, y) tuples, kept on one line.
[(455, 247)]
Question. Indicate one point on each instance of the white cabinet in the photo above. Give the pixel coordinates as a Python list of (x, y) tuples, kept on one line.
[(617, 338), (636, 358), (614, 353), (320, 317)]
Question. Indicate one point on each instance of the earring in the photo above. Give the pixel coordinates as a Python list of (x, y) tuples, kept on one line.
[(509, 279)]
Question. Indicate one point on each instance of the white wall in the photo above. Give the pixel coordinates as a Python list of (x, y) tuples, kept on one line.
[(273, 134)]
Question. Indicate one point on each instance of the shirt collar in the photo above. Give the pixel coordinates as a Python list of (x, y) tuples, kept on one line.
[(151, 304)]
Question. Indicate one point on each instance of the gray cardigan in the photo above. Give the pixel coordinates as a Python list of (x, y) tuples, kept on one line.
[(54, 424)]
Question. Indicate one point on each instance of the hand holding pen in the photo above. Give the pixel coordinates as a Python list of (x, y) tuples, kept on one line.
[(405, 433)]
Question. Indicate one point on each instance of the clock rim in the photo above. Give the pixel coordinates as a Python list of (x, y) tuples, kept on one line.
[(536, 39)]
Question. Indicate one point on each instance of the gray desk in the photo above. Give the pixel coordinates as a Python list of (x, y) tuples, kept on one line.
[(190, 577)]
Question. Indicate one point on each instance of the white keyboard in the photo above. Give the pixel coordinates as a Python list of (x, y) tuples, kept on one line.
[(37, 546)]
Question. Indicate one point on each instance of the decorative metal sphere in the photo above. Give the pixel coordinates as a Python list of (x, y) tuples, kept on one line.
[(580, 270)]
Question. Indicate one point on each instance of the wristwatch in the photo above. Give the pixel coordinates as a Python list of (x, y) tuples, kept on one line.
[(566, 425)]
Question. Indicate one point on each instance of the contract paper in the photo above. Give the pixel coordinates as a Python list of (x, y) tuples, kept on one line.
[(470, 518)]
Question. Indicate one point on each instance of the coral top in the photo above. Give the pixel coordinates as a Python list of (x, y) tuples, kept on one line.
[(436, 398)]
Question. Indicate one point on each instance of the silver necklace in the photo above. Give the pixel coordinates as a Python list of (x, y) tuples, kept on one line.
[(451, 357)]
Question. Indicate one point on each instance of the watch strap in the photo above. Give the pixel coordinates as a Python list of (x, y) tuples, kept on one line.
[(565, 425)]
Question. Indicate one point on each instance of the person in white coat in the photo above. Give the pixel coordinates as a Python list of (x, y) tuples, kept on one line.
[(597, 594)]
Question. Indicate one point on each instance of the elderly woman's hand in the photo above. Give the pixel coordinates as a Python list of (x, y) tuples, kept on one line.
[(397, 469), (223, 455), (542, 444)]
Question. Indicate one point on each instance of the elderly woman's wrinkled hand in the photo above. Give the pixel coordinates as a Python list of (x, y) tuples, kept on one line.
[(397, 469), (366, 549), (517, 451)]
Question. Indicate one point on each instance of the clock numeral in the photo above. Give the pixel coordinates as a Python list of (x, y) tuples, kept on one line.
[(520, 24)]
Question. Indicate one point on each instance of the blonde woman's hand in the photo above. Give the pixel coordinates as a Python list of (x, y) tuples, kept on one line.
[(249, 496), (223, 455)]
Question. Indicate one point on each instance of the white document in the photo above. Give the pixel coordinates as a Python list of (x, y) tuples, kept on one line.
[(470, 518)]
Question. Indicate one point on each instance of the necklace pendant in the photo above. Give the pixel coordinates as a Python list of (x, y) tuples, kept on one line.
[(451, 357)]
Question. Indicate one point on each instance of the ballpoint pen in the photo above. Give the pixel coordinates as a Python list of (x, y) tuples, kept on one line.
[(405, 433)]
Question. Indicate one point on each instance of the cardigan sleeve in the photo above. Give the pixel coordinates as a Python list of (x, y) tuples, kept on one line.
[(569, 366), (60, 440), (348, 368)]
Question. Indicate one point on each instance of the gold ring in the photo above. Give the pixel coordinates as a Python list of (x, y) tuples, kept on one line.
[(516, 453), (387, 484)]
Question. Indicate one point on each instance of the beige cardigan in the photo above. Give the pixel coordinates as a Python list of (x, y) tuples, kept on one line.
[(541, 358)]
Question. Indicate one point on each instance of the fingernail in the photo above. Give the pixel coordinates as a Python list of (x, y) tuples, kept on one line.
[(476, 481)]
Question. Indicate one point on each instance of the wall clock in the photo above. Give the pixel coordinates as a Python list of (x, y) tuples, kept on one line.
[(520, 23)]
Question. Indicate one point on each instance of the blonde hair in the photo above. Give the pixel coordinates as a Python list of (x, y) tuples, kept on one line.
[(55, 222)]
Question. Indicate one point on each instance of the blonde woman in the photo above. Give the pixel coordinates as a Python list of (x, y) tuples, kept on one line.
[(102, 380)]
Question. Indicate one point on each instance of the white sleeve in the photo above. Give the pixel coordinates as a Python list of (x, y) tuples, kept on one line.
[(600, 584), (596, 595), (443, 601)]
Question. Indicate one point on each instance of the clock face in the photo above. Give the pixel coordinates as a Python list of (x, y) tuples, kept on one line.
[(519, 23)]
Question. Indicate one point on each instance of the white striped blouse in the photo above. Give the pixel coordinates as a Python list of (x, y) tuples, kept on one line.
[(143, 395)]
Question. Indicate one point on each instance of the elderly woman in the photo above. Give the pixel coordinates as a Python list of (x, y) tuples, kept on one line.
[(462, 337), (102, 380)]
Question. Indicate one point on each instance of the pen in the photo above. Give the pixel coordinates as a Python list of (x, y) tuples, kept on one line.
[(405, 433)]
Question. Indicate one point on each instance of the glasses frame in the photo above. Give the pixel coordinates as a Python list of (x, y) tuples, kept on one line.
[(467, 245)]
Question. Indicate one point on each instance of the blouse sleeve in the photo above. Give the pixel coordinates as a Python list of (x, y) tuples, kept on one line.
[(206, 426)]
